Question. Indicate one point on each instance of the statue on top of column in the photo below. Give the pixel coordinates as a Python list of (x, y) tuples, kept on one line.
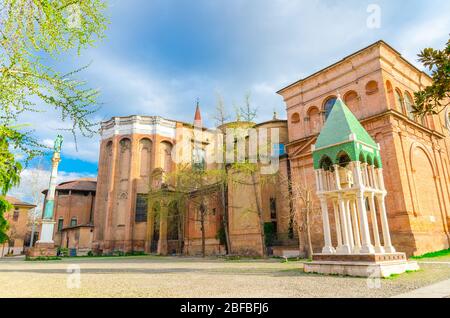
[(58, 143)]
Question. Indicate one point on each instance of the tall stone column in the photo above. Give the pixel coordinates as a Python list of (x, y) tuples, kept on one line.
[(380, 178), (366, 245), (162, 242), (384, 225), (345, 247), (356, 165), (375, 181), (348, 219), (328, 248), (336, 176), (48, 223), (337, 224), (376, 233), (355, 223), (318, 183), (365, 177)]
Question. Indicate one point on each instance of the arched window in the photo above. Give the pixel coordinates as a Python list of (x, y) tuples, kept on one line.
[(399, 101), (165, 153), (145, 146), (124, 158), (390, 95), (371, 87), (351, 100), (408, 106), (328, 105), (295, 118), (376, 163), (314, 120), (326, 163), (362, 158), (343, 159)]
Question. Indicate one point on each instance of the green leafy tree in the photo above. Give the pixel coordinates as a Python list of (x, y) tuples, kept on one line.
[(434, 98), (34, 33)]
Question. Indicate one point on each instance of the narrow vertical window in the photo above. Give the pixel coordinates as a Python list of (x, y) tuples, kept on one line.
[(141, 208)]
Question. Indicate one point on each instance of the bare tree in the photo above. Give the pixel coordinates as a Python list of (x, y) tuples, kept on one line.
[(248, 112), (221, 118), (302, 209)]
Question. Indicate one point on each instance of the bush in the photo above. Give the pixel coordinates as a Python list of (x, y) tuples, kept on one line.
[(118, 253), (63, 252), (135, 253)]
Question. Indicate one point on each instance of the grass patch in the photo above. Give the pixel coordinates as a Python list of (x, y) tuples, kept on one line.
[(237, 258), (287, 259), (393, 276), (112, 254), (42, 258), (411, 271), (433, 254)]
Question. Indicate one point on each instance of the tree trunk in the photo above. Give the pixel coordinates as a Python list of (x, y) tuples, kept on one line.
[(308, 226), (3, 249), (225, 219), (180, 233), (32, 233), (308, 236), (301, 245), (202, 225), (260, 215)]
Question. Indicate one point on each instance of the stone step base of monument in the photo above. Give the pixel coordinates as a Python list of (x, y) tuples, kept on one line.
[(364, 265), (42, 250), (376, 257)]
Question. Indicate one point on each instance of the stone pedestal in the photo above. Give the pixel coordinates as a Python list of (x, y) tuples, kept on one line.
[(45, 247), (360, 265), (42, 250)]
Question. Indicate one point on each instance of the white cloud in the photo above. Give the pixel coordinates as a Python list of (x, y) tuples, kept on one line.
[(35, 180), (429, 33), (257, 48)]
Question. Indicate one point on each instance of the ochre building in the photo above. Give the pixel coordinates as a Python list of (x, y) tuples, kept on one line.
[(17, 219)]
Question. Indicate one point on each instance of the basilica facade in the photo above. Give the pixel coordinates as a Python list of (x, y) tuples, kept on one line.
[(376, 84)]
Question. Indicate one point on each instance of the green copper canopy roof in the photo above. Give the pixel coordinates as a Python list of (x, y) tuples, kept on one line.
[(341, 123), (343, 132)]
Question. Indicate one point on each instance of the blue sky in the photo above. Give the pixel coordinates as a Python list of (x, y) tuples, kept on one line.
[(160, 55)]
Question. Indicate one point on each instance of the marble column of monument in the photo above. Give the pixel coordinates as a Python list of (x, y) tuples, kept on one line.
[(45, 246)]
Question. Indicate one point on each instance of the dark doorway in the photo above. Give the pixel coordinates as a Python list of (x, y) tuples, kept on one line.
[(155, 236)]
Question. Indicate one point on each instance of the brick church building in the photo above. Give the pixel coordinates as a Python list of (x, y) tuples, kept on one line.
[(376, 83)]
